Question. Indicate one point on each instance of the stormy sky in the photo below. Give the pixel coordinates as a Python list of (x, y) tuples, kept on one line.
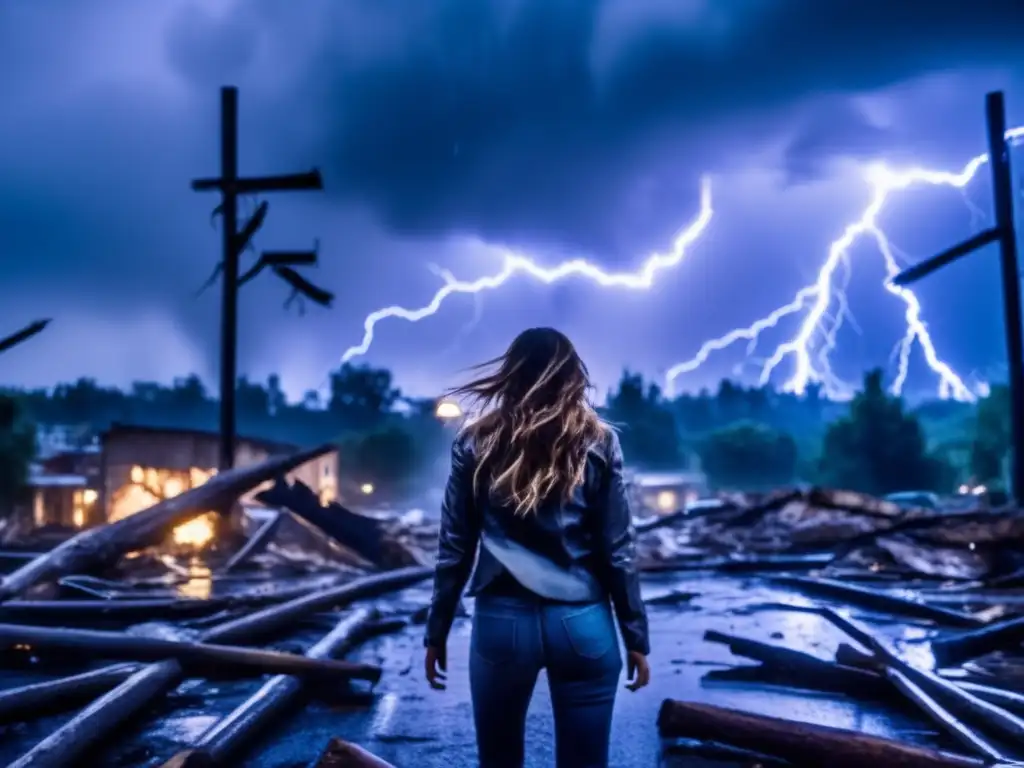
[(450, 129)]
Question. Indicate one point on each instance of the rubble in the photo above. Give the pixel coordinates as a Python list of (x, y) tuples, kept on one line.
[(63, 603), (122, 592), (837, 531)]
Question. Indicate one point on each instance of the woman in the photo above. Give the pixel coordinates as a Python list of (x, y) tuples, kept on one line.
[(537, 482)]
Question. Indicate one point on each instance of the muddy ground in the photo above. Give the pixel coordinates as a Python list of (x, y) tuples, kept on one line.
[(414, 727)]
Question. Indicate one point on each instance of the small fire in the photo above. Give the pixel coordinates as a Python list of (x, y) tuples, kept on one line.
[(197, 532)]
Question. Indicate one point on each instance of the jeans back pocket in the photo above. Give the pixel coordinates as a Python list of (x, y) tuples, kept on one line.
[(494, 637), (590, 630)]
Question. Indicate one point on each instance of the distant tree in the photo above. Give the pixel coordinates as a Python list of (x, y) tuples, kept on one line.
[(276, 400), (362, 398), (17, 450), (990, 441), (879, 448), (748, 455), (252, 400), (648, 431), (85, 400), (695, 413), (730, 402)]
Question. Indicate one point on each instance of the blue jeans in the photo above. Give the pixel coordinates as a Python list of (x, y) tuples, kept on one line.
[(513, 639)]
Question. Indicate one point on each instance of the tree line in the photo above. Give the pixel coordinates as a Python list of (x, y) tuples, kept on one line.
[(743, 437)]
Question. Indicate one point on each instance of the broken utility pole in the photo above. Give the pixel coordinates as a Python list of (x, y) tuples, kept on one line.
[(1005, 234), (234, 243), (24, 334)]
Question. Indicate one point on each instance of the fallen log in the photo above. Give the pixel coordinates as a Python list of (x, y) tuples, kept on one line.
[(11, 560), (941, 717), (118, 645), (661, 521), (344, 754), (954, 700), (361, 534), (19, 705), (338, 754), (798, 668), (63, 612), (876, 689), (737, 564), (63, 749), (103, 545), (256, 543), (67, 745), (675, 597), (271, 702), (949, 651), (877, 600), (803, 744), (716, 754), (255, 626), (1008, 700)]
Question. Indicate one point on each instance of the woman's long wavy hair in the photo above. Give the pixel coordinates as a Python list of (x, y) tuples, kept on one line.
[(537, 422)]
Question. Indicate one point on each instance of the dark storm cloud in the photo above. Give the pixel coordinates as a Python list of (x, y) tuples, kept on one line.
[(576, 123), (832, 128), (511, 118)]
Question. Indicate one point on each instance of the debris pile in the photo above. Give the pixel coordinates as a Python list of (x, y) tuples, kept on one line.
[(841, 532), (965, 676), (116, 593)]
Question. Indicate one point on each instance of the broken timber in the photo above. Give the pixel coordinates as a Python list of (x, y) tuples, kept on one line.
[(940, 699), (267, 706), (970, 645), (256, 543), (343, 754), (794, 668), (876, 600), (363, 535), (1011, 701), (67, 745), (805, 745), (29, 701), (103, 545), (119, 645)]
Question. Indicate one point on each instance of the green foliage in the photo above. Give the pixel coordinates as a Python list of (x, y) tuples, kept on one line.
[(748, 455), (990, 439), (647, 426), (747, 436), (878, 448), (17, 449), (361, 396)]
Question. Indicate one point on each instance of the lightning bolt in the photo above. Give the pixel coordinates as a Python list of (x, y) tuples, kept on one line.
[(515, 263), (817, 298)]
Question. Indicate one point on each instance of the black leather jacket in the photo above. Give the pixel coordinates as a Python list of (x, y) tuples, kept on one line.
[(582, 551)]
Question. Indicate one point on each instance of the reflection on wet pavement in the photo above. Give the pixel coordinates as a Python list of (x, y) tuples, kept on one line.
[(415, 727)]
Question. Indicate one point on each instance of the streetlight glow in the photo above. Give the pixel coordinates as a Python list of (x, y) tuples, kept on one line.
[(447, 410)]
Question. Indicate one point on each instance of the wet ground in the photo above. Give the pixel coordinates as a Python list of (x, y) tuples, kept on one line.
[(415, 727)]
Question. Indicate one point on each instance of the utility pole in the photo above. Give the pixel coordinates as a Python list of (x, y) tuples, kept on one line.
[(24, 334), (1004, 233), (230, 185)]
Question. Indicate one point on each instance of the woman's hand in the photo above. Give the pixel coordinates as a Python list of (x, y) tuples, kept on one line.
[(436, 663), (639, 674)]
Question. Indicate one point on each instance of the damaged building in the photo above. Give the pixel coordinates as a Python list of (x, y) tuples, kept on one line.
[(132, 467)]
